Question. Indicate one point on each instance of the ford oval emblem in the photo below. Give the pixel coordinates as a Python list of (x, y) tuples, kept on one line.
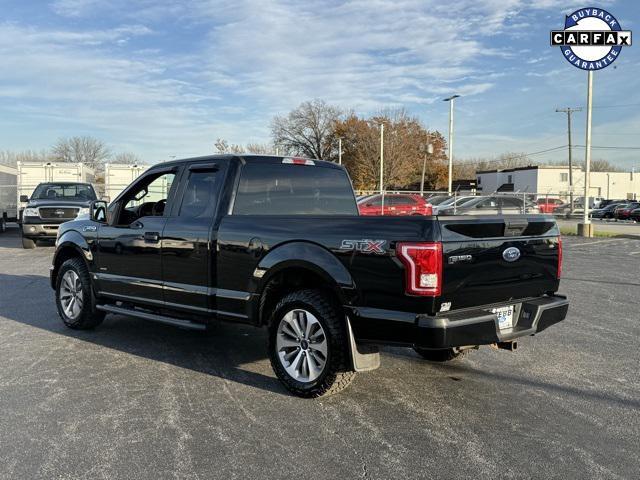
[(511, 254)]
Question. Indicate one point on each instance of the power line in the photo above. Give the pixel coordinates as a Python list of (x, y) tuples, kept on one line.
[(609, 147)]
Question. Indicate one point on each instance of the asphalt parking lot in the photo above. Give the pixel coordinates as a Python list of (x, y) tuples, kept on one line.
[(140, 400)]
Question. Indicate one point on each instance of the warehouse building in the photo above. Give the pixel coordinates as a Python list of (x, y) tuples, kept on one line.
[(554, 180)]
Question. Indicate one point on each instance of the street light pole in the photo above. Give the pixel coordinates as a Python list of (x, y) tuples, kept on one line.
[(339, 151), (382, 164), (569, 111), (587, 228), (450, 100)]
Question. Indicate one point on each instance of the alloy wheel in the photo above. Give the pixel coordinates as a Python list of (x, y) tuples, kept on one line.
[(71, 295), (301, 344)]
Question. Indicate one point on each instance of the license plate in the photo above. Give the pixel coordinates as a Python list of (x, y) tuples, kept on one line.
[(505, 316)]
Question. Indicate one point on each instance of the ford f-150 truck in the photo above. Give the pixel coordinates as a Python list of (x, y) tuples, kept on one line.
[(277, 242), (51, 204)]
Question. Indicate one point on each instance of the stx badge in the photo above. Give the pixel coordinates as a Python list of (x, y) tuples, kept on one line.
[(364, 246)]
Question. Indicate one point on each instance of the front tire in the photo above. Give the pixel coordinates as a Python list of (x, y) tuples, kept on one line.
[(74, 298), (28, 244), (3, 225), (444, 355), (308, 345)]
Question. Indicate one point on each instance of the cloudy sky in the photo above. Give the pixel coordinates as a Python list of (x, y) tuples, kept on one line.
[(163, 78)]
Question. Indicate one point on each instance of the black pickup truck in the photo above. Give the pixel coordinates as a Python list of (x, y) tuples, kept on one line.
[(277, 242), (51, 204)]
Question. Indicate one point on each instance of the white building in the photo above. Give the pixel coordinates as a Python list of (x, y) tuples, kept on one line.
[(554, 180)]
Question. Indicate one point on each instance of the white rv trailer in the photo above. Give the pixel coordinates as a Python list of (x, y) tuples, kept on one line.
[(118, 176), (8, 196)]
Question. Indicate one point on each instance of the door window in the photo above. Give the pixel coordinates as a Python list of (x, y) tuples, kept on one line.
[(511, 203), (199, 199), (148, 198)]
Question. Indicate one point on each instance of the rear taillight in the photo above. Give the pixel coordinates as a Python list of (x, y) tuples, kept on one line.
[(423, 267), (559, 257)]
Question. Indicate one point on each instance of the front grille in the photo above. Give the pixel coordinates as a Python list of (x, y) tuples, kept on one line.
[(58, 212)]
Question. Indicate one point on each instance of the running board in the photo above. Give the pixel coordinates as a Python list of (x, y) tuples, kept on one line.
[(152, 317)]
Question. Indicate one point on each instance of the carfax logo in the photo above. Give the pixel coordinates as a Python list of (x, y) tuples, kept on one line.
[(592, 38)]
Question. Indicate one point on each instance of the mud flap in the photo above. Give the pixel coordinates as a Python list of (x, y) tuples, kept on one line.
[(363, 357)]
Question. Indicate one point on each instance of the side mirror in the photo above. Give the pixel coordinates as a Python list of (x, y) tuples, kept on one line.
[(24, 198), (98, 211)]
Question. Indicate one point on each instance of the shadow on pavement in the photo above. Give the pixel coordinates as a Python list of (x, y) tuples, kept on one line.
[(511, 380), (221, 351), (12, 239)]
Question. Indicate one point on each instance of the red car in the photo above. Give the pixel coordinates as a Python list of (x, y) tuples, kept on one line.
[(547, 205), (394, 204), (623, 212)]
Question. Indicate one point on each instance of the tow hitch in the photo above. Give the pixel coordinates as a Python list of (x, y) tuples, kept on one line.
[(511, 346)]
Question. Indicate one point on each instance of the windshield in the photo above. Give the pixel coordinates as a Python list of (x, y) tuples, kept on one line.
[(438, 200), (72, 191)]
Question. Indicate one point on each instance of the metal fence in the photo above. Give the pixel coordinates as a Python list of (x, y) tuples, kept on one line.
[(559, 204)]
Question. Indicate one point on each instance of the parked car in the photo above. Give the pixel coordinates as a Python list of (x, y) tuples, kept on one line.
[(623, 211), (606, 212), (451, 202), (547, 205), (635, 215), (606, 203), (395, 204), (278, 243), (492, 205), (50, 205), (435, 200)]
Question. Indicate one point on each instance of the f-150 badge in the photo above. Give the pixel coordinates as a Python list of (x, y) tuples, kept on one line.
[(364, 246)]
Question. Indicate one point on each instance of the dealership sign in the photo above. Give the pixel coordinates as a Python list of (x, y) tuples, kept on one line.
[(592, 38)]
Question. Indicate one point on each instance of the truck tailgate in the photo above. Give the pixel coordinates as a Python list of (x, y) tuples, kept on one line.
[(489, 260)]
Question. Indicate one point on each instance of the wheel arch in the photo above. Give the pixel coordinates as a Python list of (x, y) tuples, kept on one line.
[(70, 245), (299, 265)]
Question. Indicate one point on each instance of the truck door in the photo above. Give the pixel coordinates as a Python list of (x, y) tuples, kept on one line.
[(189, 240), (129, 248)]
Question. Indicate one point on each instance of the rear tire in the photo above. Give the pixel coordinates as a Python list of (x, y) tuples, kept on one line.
[(444, 355), (74, 298), (3, 225), (308, 345), (28, 244)]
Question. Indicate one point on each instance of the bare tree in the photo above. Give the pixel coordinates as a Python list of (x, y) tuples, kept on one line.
[(308, 130), (88, 150), (7, 157), (222, 146), (127, 158), (259, 148), (602, 165)]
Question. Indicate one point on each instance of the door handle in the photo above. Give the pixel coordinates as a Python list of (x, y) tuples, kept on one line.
[(151, 237)]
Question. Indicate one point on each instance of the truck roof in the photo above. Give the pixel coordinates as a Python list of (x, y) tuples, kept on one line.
[(246, 158), (64, 183)]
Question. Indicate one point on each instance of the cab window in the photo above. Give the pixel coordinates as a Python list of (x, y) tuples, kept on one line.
[(148, 198)]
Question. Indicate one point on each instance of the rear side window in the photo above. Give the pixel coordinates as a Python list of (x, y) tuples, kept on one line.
[(402, 200), (268, 189), (199, 198)]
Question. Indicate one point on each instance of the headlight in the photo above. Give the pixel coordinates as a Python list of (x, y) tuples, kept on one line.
[(31, 212), (83, 211)]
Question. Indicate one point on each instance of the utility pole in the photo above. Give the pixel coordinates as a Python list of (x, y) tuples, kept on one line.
[(450, 100), (569, 111), (339, 151), (382, 164)]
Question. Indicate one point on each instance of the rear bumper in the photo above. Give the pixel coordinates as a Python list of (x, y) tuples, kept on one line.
[(476, 326)]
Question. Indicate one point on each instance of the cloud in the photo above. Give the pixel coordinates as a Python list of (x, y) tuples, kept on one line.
[(168, 78)]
